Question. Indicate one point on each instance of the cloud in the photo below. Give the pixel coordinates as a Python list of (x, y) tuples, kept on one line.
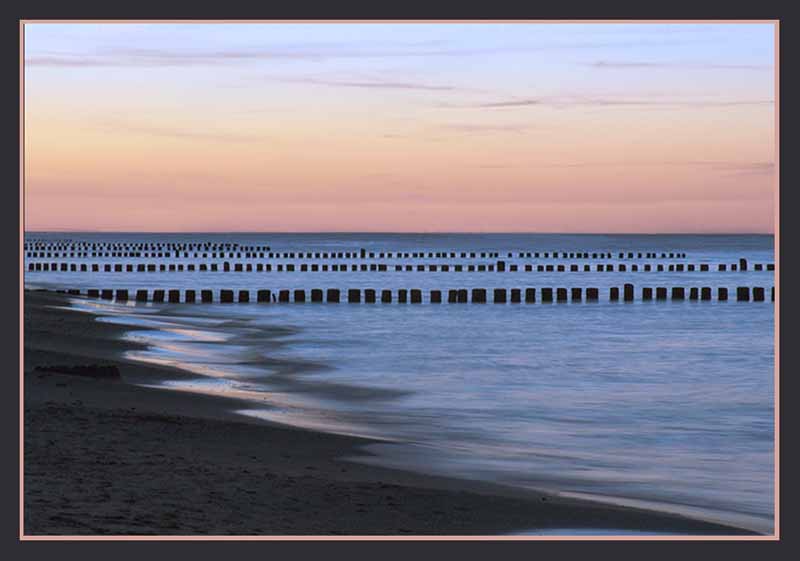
[(470, 128), (565, 102), (178, 133), (374, 84), (678, 65), (170, 57)]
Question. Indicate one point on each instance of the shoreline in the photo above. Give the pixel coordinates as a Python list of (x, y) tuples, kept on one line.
[(111, 457)]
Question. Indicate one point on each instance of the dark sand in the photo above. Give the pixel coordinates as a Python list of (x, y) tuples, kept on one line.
[(110, 457)]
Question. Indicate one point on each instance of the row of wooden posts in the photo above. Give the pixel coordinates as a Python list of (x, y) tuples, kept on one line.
[(414, 296), (357, 255), (499, 266)]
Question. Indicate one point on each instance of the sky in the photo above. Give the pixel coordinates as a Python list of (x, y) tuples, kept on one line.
[(517, 127)]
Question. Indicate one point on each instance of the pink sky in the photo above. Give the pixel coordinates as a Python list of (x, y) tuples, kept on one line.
[(542, 128)]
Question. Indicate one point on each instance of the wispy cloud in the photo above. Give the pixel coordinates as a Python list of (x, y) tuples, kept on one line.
[(158, 57), (677, 65), (179, 133), (374, 84), (477, 128), (565, 102)]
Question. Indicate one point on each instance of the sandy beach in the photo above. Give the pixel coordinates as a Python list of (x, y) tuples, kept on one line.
[(114, 457)]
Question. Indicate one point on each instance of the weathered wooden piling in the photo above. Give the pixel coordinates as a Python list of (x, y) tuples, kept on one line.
[(93, 293), (613, 293), (316, 295), (141, 295), (436, 296), (592, 294), (478, 295), (369, 295), (499, 295), (703, 267), (742, 264), (121, 295), (661, 293), (722, 267), (158, 295), (627, 291), (299, 296), (516, 296), (190, 296), (226, 296), (647, 293), (174, 296), (561, 294), (758, 294), (742, 294), (416, 296), (577, 294), (283, 296), (547, 294), (402, 296), (722, 293), (354, 295), (693, 293), (770, 266), (244, 296), (386, 296), (332, 295), (678, 293)]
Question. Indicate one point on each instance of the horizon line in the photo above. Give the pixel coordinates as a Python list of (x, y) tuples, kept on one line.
[(268, 232)]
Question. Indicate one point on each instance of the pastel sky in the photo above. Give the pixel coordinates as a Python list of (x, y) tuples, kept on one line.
[(400, 127)]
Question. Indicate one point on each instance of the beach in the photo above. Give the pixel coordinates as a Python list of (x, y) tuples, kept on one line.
[(114, 457)]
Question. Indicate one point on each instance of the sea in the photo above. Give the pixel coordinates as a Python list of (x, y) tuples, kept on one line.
[(667, 405)]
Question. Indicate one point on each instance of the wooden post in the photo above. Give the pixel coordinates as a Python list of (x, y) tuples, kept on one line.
[(742, 294), (628, 292), (354, 295), (678, 293), (332, 295), (499, 295), (722, 294), (226, 296), (592, 294), (190, 296)]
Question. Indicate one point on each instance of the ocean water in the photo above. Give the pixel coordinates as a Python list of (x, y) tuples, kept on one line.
[(667, 405)]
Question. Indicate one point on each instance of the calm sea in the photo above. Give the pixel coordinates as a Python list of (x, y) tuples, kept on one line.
[(661, 404)]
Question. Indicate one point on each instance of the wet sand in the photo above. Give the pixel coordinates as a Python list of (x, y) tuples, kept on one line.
[(112, 457)]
